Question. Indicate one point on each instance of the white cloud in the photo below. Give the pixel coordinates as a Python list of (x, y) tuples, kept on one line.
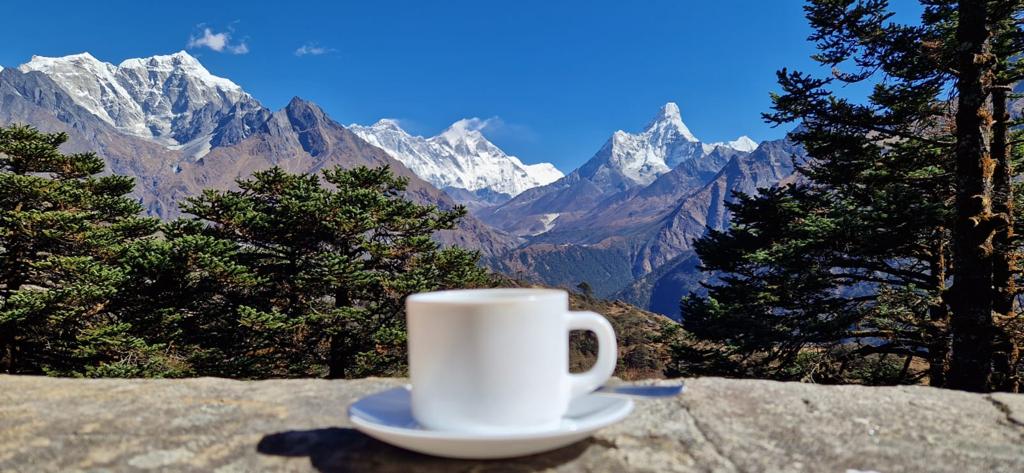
[(219, 42), (312, 49), (479, 124), (496, 127)]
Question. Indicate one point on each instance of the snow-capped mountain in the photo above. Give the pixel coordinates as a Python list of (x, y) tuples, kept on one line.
[(743, 143), (627, 163), (459, 157), (172, 99), (629, 160), (637, 159), (243, 137), (631, 210)]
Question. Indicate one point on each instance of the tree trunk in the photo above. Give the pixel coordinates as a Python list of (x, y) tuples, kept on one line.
[(337, 357), (938, 314), (7, 352), (338, 350), (970, 297), (1004, 264)]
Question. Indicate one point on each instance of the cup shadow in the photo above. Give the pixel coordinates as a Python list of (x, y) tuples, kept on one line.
[(339, 449)]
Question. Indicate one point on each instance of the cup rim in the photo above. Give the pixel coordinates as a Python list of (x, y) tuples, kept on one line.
[(512, 295)]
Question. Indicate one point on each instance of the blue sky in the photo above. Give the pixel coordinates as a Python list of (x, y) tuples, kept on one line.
[(559, 76)]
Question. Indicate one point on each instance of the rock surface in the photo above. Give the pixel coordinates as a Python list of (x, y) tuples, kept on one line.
[(207, 424)]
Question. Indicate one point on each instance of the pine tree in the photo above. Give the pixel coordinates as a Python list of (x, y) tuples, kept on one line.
[(65, 232), (305, 274), (854, 258), (1007, 42), (970, 297)]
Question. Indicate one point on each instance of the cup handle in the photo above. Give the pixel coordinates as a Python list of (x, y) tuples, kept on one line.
[(607, 352)]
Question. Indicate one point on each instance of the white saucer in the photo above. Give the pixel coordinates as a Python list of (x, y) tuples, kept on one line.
[(387, 416)]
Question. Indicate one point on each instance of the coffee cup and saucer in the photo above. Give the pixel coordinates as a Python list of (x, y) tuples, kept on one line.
[(489, 377)]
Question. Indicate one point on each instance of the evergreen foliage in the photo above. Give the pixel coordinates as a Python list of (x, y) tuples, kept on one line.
[(67, 236), (303, 274), (291, 275), (852, 264)]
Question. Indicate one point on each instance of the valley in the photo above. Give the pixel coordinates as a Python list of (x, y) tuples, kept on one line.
[(623, 222)]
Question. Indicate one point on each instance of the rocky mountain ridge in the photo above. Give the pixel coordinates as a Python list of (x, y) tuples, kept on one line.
[(623, 222), (620, 242), (626, 163), (242, 136), (170, 99)]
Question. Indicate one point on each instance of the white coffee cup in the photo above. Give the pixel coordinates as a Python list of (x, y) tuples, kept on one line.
[(497, 360)]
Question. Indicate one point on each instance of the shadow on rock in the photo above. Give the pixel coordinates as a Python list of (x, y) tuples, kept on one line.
[(344, 450)]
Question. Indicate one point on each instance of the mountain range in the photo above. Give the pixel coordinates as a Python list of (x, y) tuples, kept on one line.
[(178, 130), (461, 161), (623, 222)]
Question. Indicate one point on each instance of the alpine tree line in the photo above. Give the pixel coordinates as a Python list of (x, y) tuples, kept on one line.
[(891, 257), (290, 275), (893, 254)]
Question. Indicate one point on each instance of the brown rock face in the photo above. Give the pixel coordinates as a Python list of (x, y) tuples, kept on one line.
[(633, 234), (607, 224), (299, 138)]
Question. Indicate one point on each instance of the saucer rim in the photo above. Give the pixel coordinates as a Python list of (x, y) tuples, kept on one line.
[(613, 416)]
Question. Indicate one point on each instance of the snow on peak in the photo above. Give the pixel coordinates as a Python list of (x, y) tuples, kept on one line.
[(94, 85), (743, 143), (68, 65), (669, 122), (464, 131), (671, 111), (183, 62), (154, 97), (642, 157), (385, 124), (460, 156), (43, 63)]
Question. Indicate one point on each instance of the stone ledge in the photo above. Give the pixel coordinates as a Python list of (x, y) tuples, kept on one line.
[(208, 424)]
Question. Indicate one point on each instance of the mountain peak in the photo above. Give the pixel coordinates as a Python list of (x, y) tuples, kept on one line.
[(77, 64), (82, 56), (387, 124), (157, 97), (669, 121), (463, 130), (303, 111), (636, 159), (177, 59), (671, 110), (297, 101), (743, 143), (180, 57), (50, 65), (458, 157), (181, 61)]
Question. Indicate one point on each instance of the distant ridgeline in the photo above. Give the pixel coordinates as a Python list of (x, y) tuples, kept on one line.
[(623, 222), (178, 129), (283, 275), (892, 256)]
